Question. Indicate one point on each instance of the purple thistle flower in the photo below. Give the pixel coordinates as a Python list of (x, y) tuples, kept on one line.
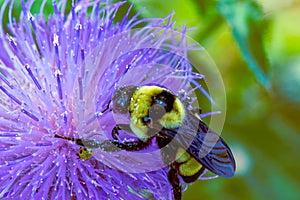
[(57, 75)]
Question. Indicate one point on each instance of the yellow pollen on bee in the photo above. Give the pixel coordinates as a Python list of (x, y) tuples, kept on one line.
[(84, 154)]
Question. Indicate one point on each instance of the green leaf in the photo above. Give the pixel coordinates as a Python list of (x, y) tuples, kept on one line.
[(186, 12), (246, 21)]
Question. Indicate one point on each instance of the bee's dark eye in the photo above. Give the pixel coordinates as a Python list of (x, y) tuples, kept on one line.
[(121, 105), (121, 99), (121, 102)]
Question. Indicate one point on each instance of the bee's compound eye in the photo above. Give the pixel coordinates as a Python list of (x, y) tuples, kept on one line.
[(122, 98), (122, 102), (121, 105)]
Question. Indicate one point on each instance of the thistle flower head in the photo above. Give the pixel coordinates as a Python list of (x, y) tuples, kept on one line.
[(57, 75)]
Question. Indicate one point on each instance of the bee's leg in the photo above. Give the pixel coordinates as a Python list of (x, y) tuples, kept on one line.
[(115, 132), (119, 127), (76, 140), (109, 146), (115, 145), (174, 180), (106, 107)]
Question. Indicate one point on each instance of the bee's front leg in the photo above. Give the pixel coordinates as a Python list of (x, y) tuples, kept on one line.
[(117, 128), (115, 145), (110, 146)]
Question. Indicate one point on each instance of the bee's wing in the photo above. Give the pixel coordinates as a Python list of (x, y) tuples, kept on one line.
[(205, 146), (212, 152)]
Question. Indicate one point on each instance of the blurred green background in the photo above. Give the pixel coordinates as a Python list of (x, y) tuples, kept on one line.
[(256, 47)]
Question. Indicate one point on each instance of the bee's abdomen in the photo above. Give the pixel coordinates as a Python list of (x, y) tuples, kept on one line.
[(188, 167)]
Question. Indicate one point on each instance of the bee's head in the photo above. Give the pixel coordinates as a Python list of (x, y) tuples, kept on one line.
[(121, 99)]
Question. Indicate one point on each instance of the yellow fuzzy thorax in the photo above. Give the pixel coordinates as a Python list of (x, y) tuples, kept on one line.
[(140, 104)]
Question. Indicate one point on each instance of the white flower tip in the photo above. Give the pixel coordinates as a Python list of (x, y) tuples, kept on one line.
[(64, 114), (55, 40), (78, 26), (11, 39), (57, 73), (30, 17)]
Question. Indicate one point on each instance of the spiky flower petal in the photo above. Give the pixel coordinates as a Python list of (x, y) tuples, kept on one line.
[(56, 76)]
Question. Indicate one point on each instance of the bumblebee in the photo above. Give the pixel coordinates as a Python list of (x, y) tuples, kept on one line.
[(188, 146)]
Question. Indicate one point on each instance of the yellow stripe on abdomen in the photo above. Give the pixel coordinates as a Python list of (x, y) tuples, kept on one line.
[(182, 156), (190, 168)]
